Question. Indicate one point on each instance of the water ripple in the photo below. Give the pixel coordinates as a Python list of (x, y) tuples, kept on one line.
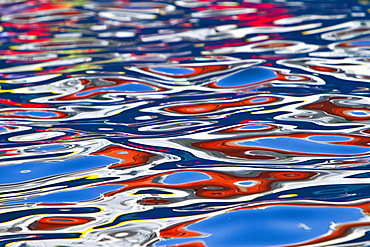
[(184, 123)]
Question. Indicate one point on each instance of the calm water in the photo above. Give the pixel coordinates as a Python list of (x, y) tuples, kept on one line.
[(184, 123)]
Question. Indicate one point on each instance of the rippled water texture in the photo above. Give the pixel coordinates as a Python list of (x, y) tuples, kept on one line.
[(184, 123)]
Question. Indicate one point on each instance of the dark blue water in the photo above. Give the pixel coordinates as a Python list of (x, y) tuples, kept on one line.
[(184, 123)]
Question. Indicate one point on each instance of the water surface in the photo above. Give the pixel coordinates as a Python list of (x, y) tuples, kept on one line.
[(184, 123)]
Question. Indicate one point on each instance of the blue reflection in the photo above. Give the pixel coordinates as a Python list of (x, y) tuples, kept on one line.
[(129, 87), (49, 147), (247, 77), (254, 127), (325, 138), (277, 225), (304, 146), (28, 171), (173, 70), (185, 177), (43, 114)]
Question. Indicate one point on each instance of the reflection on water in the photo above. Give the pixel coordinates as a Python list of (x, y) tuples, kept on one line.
[(184, 123)]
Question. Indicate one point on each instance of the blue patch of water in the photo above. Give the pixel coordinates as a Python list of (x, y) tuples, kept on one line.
[(247, 77)]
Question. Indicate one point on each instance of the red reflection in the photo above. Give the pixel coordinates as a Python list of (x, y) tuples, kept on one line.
[(56, 204), (154, 201), (129, 157), (211, 107), (42, 6), (10, 102), (230, 148), (274, 45), (178, 231), (346, 112), (192, 244), (323, 68), (219, 185), (57, 222)]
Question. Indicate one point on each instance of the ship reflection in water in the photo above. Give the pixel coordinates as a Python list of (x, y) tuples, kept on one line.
[(184, 123)]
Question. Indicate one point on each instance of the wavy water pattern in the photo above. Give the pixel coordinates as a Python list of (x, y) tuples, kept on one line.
[(184, 123)]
